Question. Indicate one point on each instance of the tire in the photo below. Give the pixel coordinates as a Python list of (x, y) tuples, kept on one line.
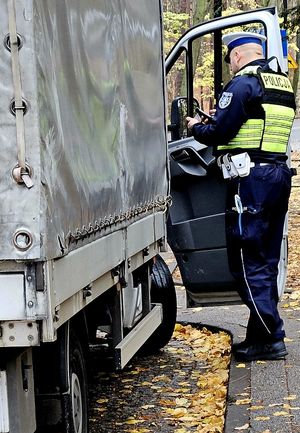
[(76, 403), (162, 292)]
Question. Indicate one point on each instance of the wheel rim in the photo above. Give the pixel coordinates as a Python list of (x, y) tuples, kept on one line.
[(76, 403)]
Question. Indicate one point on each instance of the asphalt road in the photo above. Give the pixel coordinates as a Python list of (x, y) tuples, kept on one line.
[(295, 135)]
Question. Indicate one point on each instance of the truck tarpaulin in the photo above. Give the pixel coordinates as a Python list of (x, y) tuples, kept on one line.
[(94, 125)]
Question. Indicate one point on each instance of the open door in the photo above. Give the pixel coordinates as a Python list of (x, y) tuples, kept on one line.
[(196, 225)]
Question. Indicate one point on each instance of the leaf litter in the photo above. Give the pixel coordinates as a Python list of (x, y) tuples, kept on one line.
[(293, 283), (183, 389)]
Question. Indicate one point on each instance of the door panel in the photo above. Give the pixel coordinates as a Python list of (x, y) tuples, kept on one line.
[(196, 223)]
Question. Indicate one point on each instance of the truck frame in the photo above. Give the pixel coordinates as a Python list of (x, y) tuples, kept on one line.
[(84, 202)]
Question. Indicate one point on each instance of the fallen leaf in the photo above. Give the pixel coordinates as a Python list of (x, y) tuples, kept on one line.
[(241, 366), (256, 407), (102, 400), (140, 430), (100, 409), (183, 402), (134, 421), (262, 418), (290, 397), (243, 401), (243, 427)]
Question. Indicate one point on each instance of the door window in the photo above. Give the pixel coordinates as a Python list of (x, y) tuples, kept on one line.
[(198, 76)]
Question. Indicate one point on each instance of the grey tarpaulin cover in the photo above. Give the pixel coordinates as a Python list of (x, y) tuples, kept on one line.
[(92, 74)]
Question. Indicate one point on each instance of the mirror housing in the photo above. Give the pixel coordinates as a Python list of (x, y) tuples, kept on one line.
[(178, 127)]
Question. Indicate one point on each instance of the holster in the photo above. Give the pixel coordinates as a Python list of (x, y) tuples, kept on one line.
[(234, 165)]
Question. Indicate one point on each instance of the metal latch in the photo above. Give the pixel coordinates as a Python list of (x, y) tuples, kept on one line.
[(22, 175)]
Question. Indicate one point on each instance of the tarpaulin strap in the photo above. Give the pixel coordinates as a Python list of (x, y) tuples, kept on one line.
[(23, 173)]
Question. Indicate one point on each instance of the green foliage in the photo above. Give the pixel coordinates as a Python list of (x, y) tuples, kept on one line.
[(175, 24), (181, 14)]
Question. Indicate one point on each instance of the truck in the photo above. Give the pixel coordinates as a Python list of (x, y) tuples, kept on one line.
[(88, 174), (84, 193)]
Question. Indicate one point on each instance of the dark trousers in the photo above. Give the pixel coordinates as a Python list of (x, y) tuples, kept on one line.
[(254, 243)]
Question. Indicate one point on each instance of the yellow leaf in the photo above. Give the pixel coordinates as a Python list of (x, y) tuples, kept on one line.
[(100, 409), (140, 430), (243, 427), (288, 340), (256, 407), (262, 418), (134, 421), (241, 366), (243, 401), (294, 304), (178, 412), (282, 413), (102, 400), (182, 402), (290, 397), (260, 362)]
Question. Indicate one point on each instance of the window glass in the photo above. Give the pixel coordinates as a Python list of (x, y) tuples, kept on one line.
[(176, 81), (203, 71)]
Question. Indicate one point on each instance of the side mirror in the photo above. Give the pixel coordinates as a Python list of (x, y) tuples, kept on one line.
[(178, 127)]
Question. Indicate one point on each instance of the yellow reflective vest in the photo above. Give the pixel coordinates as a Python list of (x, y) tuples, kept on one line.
[(270, 133)]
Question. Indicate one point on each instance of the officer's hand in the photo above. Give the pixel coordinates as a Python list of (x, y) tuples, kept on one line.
[(191, 121)]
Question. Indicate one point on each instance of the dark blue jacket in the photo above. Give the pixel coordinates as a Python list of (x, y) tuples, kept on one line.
[(239, 101)]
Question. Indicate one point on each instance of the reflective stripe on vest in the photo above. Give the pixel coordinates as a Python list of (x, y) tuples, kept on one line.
[(270, 134), (278, 125), (248, 137)]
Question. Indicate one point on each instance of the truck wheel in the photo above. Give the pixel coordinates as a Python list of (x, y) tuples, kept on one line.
[(162, 292), (76, 412)]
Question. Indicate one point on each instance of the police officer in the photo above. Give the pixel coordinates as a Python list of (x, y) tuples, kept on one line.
[(254, 117)]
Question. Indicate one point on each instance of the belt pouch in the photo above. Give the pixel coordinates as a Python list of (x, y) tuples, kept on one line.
[(242, 163)]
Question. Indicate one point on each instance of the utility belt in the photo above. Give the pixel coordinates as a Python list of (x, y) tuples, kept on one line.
[(236, 165)]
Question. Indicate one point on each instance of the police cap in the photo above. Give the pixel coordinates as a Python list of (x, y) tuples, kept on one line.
[(236, 39)]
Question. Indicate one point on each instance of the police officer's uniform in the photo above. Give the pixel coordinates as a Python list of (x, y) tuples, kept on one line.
[(254, 115)]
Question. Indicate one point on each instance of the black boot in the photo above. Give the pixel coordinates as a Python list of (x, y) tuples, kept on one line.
[(262, 351), (241, 345)]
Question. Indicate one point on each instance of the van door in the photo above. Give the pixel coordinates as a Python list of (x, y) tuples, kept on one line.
[(196, 74)]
